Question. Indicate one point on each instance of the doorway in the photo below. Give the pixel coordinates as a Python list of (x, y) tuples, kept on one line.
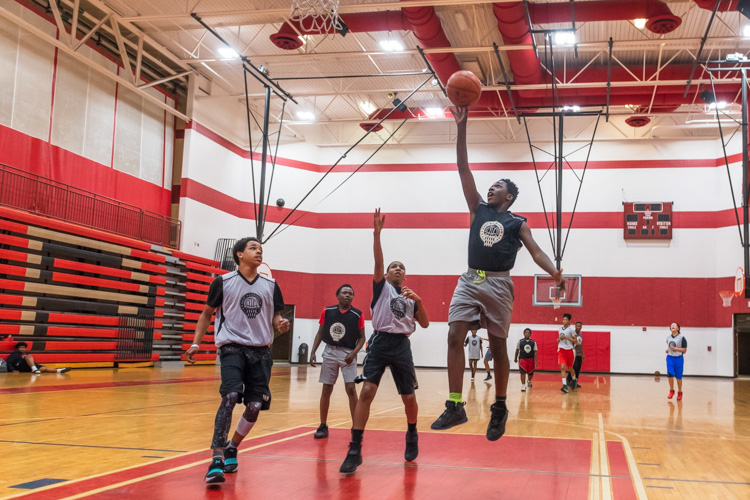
[(282, 342), (741, 344)]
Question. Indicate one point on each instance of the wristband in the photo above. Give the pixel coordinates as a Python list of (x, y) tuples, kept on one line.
[(196, 346)]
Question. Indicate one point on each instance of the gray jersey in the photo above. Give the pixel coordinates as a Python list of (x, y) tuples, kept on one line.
[(570, 331), (579, 348), (676, 341), (475, 346), (245, 310), (390, 311)]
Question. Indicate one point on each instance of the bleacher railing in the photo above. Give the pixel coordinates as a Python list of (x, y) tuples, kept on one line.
[(33, 193)]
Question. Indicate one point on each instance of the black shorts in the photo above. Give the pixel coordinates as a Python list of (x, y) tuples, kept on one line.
[(23, 367), (390, 350), (246, 370)]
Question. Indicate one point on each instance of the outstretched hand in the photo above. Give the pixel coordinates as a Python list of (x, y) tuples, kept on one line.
[(558, 277), (460, 114), (408, 293), (378, 221)]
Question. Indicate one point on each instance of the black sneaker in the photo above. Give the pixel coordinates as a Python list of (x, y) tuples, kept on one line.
[(353, 459), (564, 388), (322, 432), (412, 446), (215, 472), (65, 370), (230, 460), (496, 427), (488, 377), (453, 415)]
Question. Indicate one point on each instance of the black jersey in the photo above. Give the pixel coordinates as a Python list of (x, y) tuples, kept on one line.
[(526, 348), (493, 239), (341, 329)]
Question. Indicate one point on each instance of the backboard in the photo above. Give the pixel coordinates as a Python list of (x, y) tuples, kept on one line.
[(545, 290)]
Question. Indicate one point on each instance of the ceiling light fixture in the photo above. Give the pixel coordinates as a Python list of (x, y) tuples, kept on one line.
[(639, 23), (434, 112), (574, 108), (307, 116), (391, 45), (717, 105), (367, 107), (564, 38), (228, 53)]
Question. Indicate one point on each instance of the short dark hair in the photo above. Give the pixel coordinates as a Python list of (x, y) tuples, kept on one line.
[(512, 189), (240, 247), (567, 315), (338, 290), (19, 344), (529, 329), (579, 323)]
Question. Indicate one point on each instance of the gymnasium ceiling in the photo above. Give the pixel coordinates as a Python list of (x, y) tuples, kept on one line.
[(649, 66)]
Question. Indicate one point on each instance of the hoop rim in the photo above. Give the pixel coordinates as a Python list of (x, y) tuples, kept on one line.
[(739, 281)]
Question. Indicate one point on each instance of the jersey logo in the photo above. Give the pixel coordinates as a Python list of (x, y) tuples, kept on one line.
[(491, 232), (251, 304), (337, 331), (672, 343), (398, 307), (473, 342), (527, 348)]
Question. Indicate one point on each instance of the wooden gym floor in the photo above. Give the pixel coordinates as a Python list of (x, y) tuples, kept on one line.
[(145, 432)]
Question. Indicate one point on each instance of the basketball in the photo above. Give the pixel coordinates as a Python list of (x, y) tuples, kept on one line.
[(463, 88)]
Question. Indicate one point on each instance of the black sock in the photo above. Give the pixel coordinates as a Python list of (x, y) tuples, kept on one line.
[(412, 427), (357, 435), (500, 401)]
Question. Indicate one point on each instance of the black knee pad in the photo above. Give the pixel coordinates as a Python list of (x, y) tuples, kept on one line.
[(230, 400), (251, 411)]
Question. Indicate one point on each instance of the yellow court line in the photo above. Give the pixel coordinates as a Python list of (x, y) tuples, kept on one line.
[(175, 469), (594, 469), (640, 489), (604, 461), (72, 481)]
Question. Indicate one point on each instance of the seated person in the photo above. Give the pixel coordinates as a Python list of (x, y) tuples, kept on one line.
[(20, 361)]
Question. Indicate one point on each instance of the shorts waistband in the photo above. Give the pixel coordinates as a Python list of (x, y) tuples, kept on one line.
[(389, 333), (489, 274)]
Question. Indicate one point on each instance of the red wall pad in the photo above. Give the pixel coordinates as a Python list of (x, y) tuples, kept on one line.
[(595, 345)]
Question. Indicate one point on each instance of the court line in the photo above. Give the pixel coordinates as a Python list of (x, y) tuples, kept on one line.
[(594, 470), (91, 446), (174, 469), (604, 462), (640, 489), (131, 467), (695, 481), (102, 385)]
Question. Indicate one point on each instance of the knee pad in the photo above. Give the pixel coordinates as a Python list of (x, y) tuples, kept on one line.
[(251, 411), (230, 400)]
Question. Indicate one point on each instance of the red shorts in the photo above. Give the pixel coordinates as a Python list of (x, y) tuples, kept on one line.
[(526, 364), (566, 357)]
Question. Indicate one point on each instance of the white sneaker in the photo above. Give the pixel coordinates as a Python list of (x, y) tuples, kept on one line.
[(523, 387)]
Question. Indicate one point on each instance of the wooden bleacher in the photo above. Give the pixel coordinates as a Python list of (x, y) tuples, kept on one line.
[(80, 295)]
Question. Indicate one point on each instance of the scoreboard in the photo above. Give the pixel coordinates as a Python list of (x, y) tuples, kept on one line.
[(647, 220)]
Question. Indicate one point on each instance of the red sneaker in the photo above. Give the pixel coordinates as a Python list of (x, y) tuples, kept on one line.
[(679, 396), (671, 393)]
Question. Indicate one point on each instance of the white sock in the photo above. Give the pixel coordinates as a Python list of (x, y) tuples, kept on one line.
[(565, 381), (60, 370), (34, 369)]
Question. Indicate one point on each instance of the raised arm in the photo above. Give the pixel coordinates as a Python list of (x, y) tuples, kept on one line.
[(471, 194), (379, 273), (539, 256)]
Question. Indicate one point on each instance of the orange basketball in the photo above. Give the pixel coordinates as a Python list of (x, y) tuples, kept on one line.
[(463, 88)]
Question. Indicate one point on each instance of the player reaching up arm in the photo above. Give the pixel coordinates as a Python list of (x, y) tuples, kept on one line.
[(485, 291), (394, 310)]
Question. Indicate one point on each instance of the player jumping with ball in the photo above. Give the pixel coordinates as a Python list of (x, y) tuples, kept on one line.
[(485, 291)]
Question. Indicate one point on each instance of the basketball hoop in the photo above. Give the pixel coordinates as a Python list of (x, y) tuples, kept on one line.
[(739, 282), (556, 302), (316, 16), (727, 296)]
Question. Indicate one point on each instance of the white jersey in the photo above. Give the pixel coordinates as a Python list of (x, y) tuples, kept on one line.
[(562, 343), (245, 309), (474, 344), (390, 311)]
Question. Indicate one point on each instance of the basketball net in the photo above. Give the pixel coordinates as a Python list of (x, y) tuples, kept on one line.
[(727, 296), (321, 16), (556, 302)]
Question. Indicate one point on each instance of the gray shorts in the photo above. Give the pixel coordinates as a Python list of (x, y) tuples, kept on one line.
[(489, 300), (488, 355), (333, 360)]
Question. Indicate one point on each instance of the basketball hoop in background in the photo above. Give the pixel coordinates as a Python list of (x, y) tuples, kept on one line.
[(265, 270), (556, 302), (727, 296), (739, 282), (317, 16)]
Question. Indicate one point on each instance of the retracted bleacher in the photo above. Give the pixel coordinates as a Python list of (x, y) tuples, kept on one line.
[(80, 295)]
